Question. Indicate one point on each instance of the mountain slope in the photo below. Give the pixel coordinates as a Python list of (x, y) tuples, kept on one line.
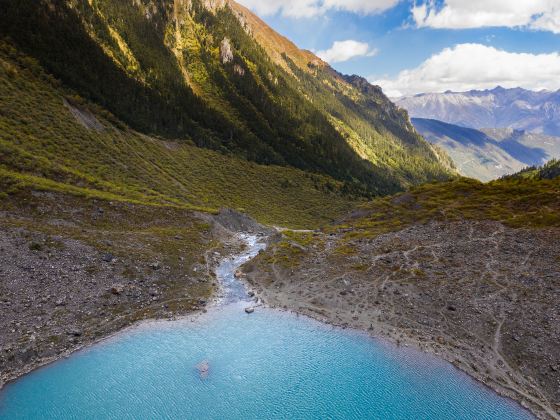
[(52, 140), (102, 226), (488, 154), (520, 109), (213, 73)]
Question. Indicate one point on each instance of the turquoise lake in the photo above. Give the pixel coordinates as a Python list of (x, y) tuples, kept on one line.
[(267, 365)]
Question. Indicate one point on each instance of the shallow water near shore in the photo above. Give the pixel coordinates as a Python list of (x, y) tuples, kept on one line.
[(269, 364)]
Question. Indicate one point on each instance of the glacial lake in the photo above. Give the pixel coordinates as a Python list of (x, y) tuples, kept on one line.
[(266, 365)]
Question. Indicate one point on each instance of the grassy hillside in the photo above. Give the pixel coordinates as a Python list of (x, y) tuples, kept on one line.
[(218, 78), (51, 139), (516, 203)]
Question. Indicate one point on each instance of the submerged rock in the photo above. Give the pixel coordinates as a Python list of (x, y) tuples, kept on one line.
[(203, 369)]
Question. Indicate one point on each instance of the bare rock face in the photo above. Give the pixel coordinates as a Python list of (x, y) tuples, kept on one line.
[(214, 4), (226, 51), (240, 71), (84, 116)]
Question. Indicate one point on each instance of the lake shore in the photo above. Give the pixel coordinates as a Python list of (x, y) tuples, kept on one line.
[(437, 315), (472, 359), (62, 294)]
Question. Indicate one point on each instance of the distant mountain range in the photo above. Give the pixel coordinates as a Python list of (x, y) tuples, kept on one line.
[(520, 109), (490, 133), (488, 154)]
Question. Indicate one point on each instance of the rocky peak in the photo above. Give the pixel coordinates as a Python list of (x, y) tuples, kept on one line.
[(363, 85)]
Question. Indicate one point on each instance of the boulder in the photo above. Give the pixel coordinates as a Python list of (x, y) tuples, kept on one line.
[(250, 310), (117, 289), (75, 332)]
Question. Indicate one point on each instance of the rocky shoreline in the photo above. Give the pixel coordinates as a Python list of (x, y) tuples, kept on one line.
[(399, 338), (67, 283), (501, 335), (37, 352)]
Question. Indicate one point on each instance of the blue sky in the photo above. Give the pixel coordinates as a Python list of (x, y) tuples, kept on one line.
[(411, 47)]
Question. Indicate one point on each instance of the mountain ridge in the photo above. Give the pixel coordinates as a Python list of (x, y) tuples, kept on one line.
[(516, 108)]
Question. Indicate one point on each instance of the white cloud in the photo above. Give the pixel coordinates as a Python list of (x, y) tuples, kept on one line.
[(548, 21), (346, 50), (311, 8), (365, 7), (462, 14), (290, 8), (476, 66)]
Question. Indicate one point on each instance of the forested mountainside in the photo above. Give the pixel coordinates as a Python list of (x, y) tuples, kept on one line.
[(550, 170), (213, 74), (51, 140)]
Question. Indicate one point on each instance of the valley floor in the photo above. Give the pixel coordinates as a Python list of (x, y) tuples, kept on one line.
[(479, 294), (482, 295)]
